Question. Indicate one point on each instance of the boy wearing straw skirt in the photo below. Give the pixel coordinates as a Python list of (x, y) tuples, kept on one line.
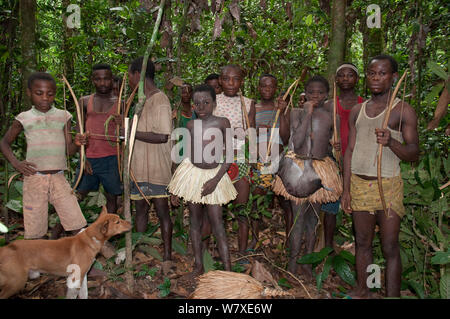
[(265, 116), (203, 180), (311, 129), (361, 196)]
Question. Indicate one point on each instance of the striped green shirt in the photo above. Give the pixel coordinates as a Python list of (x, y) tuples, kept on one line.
[(44, 132)]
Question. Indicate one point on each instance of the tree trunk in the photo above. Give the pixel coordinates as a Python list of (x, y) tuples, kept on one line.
[(28, 42), (337, 46), (373, 42), (441, 108), (68, 67), (7, 39)]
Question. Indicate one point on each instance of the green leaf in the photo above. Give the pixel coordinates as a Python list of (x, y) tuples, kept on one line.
[(208, 261), (418, 289), (151, 251), (309, 20), (441, 258), (433, 93), (237, 267), (348, 256), (164, 288), (315, 257), (438, 70), (97, 265), (3, 228), (443, 285), (283, 282), (325, 272), (343, 270), (439, 236), (150, 240), (97, 199), (15, 205), (178, 247), (18, 185)]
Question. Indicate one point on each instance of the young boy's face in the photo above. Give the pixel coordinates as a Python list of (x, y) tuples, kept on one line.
[(267, 88), (316, 92), (346, 79), (203, 104), (42, 94), (186, 92), (103, 81), (231, 80), (380, 76), (215, 84)]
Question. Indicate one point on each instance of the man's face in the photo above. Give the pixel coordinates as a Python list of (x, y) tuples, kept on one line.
[(267, 88), (230, 80), (102, 80), (215, 84), (133, 79), (380, 76), (42, 94), (346, 79)]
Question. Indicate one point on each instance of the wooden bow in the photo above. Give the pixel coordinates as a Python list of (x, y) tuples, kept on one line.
[(277, 115), (119, 106), (335, 132), (380, 147), (80, 123), (244, 109)]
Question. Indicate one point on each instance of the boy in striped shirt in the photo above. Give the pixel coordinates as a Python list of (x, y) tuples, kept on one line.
[(47, 132)]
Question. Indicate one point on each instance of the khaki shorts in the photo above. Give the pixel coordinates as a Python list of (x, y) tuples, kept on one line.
[(38, 191)]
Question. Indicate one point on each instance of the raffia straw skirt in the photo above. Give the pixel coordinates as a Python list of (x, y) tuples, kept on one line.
[(328, 173), (188, 180)]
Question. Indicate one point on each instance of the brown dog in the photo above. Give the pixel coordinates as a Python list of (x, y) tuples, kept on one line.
[(70, 257)]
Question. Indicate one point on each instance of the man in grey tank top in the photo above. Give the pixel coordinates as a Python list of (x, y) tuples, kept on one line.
[(361, 196)]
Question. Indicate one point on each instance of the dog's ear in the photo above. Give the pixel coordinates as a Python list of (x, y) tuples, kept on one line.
[(104, 211), (104, 227)]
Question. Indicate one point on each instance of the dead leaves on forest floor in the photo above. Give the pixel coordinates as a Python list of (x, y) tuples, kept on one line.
[(157, 280)]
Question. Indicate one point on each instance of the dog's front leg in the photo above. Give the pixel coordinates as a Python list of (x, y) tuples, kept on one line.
[(73, 281), (83, 292), (72, 293)]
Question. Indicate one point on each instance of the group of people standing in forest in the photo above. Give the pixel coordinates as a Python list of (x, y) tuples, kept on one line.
[(295, 159)]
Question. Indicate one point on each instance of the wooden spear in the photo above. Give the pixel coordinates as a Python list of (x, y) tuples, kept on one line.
[(128, 151)]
